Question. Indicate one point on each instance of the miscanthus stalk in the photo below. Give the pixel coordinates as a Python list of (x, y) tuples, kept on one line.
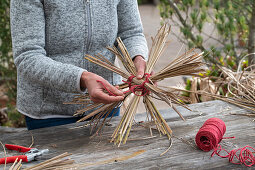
[(189, 63)]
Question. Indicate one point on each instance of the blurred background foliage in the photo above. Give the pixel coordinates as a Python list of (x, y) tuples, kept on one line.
[(8, 113), (231, 22), (142, 1), (230, 27)]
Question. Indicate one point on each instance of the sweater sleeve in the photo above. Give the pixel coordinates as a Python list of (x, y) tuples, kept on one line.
[(30, 58), (130, 28)]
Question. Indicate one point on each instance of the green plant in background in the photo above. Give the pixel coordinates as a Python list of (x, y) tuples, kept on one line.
[(15, 119), (224, 28), (7, 68), (142, 1), (213, 81)]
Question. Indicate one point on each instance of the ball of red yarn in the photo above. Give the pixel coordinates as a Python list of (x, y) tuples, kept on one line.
[(210, 134)]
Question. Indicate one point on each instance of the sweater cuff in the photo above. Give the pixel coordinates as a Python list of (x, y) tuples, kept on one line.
[(135, 51), (78, 83)]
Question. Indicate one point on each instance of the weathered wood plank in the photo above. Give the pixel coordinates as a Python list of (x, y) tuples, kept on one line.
[(183, 155)]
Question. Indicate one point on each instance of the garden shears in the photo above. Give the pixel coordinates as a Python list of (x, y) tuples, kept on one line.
[(30, 154)]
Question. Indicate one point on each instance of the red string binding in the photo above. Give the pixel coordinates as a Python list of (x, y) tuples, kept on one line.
[(132, 87), (140, 88), (210, 135)]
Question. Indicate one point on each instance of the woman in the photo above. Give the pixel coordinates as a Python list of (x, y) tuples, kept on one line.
[(50, 39)]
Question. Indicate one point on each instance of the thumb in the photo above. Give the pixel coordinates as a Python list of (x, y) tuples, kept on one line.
[(140, 65), (140, 73)]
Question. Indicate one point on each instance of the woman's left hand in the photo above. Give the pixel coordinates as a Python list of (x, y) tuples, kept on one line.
[(140, 65)]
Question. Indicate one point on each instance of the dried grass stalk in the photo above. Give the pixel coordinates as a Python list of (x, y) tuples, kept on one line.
[(12, 167), (5, 155), (187, 64), (241, 87), (17, 166), (53, 163), (108, 161)]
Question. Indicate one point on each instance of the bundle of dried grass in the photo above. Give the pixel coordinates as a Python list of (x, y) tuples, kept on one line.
[(187, 64), (16, 165), (78, 166), (54, 163), (197, 84), (241, 87)]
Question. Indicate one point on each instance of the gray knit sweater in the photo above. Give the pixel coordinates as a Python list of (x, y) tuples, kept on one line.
[(50, 39)]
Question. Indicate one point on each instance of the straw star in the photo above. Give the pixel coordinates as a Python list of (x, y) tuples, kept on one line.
[(187, 64)]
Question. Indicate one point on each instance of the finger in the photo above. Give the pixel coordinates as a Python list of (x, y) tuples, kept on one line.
[(140, 73), (155, 82), (140, 65), (96, 101), (105, 98), (114, 90), (140, 69)]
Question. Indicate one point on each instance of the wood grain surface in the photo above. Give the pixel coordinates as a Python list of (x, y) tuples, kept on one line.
[(143, 151)]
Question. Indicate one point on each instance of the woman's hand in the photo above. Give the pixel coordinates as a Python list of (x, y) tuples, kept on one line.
[(140, 65), (96, 89)]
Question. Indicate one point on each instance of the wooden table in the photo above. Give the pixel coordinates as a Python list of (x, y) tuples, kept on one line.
[(183, 154)]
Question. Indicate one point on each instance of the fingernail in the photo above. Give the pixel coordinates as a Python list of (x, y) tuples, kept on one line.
[(139, 76)]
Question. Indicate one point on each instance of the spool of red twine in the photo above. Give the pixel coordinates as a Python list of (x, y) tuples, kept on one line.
[(210, 135)]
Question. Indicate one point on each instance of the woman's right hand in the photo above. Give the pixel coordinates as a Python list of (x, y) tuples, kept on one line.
[(96, 90)]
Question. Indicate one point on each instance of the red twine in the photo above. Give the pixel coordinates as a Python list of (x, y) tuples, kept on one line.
[(139, 88), (210, 135), (110, 93), (132, 87)]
